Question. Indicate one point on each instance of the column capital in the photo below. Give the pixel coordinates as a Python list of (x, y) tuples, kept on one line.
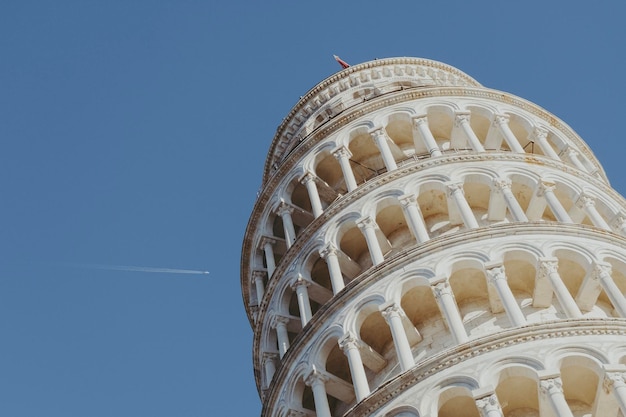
[(461, 117), (390, 310), (487, 404), (495, 272), (378, 131), (551, 386), (266, 240), (420, 120), (366, 223), (408, 200), (571, 151), (307, 177), (548, 266), (585, 200), (502, 183), (277, 321), (298, 282), (329, 249), (613, 380), (348, 341), (269, 356), (284, 208), (538, 134), (441, 289), (501, 119), (258, 274), (545, 186), (314, 376), (601, 269), (453, 187), (342, 152), (619, 221)]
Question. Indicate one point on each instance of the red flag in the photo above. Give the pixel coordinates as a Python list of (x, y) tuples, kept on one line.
[(343, 63)]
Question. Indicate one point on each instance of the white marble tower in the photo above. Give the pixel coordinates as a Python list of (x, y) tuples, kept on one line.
[(425, 246)]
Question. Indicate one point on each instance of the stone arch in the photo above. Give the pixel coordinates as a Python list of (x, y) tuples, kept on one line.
[(480, 121), (456, 399), (371, 326), (581, 374), (389, 216), (399, 127), (350, 240), (477, 185), (441, 122), (433, 203), (326, 167), (417, 300), (366, 161), (316, 267), (469, 284), (523, 185), (517, 389)]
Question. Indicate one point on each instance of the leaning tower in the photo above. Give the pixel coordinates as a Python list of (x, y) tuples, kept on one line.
[(425, 246)]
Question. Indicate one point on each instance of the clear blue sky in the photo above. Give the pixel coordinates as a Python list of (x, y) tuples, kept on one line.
[(135, 132)]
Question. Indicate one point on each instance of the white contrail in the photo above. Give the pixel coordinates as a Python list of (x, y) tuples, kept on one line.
[(131, 268)]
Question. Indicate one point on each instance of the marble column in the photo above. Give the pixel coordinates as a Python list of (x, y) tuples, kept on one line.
[(588, 205), (539, 135), (572, 156), (267, 244), (343, 155), (280, 324), (308, 180), (380, 137), (546, 189), (616, 383), (497, 278), (602, 271), (549, 268), (257, 277), (269, 364), (619, 223), (462, 120), (502, 122), (456, 193), (299, 285), (392, 314), (284, 211), (552, 389), (329, 254), (368, 227), (504, 186), (420, 123), (414, 218), (445, 299), (317, 381), (349, 345)]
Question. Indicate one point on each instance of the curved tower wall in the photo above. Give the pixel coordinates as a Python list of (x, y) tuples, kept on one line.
[(426, 246)]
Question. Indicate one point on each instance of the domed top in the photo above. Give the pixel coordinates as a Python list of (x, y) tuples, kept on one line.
[(352, 86)]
